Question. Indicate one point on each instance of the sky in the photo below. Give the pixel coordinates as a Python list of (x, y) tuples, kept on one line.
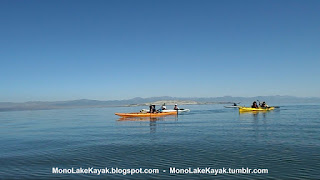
[(120, 49)]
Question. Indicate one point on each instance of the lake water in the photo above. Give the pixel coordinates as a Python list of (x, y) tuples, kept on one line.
[(285, 141)]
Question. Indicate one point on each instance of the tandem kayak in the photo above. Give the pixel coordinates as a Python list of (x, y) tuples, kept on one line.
[(139, 114), (241, 109)]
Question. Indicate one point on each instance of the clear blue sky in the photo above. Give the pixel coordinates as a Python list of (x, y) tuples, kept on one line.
[(63, 50)]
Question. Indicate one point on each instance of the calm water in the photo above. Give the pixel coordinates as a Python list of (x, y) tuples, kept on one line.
[(285, 141)]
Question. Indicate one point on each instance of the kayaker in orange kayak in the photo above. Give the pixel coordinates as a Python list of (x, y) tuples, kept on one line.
[(153, 109), (163, 107)]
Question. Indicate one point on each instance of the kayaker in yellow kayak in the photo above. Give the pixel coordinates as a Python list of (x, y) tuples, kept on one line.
[(264, 105), (254, 105)]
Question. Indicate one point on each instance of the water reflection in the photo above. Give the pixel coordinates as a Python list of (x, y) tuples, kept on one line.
[(254, 114), (257, 121), (152, 121)]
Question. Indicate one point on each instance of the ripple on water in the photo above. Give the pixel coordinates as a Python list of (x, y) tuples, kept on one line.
[(285, 141)]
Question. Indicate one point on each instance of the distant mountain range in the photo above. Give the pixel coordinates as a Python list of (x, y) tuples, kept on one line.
[(85, 103)]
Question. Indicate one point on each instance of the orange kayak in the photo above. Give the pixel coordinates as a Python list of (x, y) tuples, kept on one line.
[(145, 114)]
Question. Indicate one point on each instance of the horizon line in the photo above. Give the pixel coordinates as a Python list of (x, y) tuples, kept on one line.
[(157, 97)]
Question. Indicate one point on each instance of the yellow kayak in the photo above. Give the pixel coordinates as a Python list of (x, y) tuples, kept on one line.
[(138, 114), (241, 109)]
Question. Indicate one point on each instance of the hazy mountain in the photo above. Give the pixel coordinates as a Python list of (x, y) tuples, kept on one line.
[(86, 103)]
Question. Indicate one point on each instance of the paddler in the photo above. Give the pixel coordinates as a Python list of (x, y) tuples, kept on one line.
[(254, 105), (153, 109), (176, 107), (264, 105), (163, 107)]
